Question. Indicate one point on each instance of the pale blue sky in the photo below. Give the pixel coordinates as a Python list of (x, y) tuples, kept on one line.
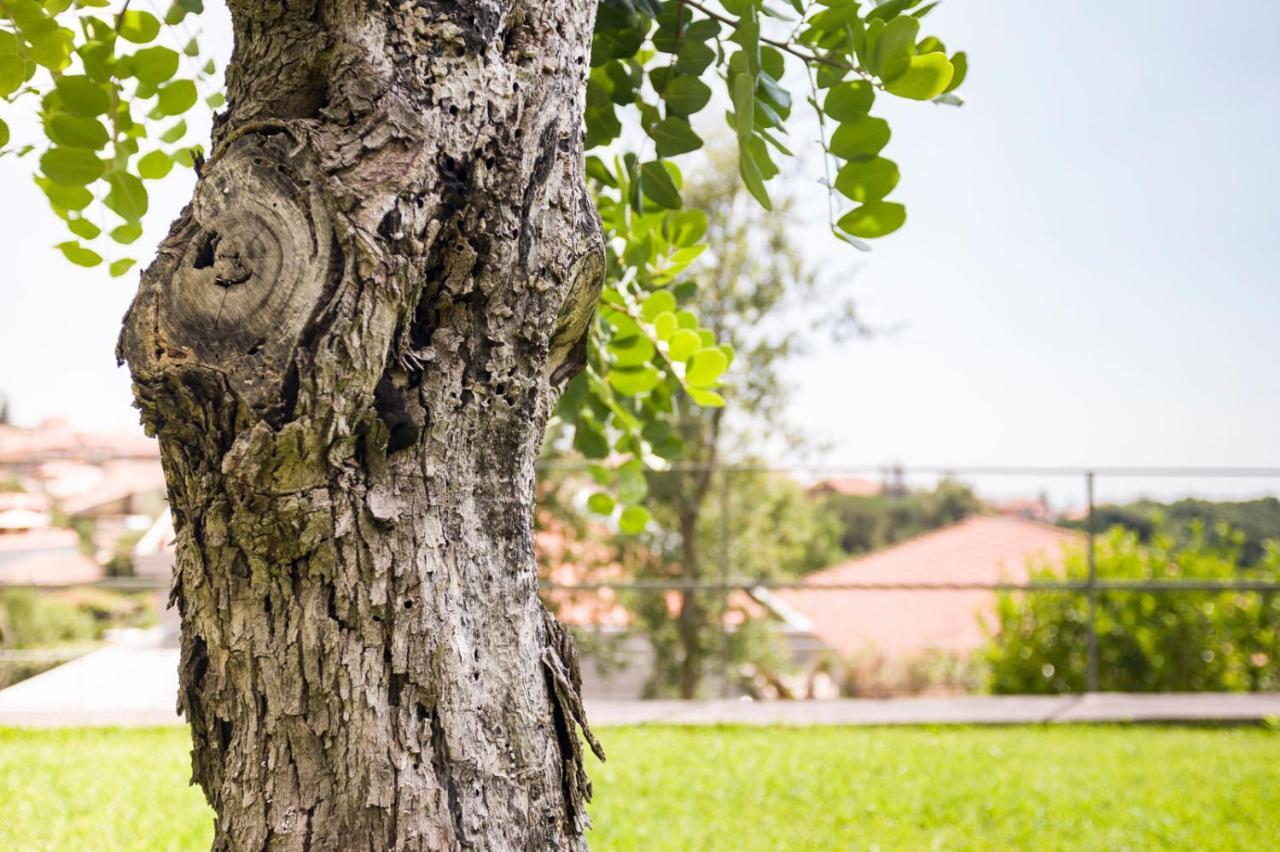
[(1087, 274)]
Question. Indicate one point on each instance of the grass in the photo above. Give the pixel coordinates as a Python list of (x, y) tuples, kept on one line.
[(745, 789)]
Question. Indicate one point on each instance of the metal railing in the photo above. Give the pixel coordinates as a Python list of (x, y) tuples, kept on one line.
[(1091, 587)]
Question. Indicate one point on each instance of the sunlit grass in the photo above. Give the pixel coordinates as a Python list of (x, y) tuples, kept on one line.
[(749, 788)]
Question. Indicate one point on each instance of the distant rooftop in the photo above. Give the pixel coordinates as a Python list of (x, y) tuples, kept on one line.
[(894, 622), (57, 439)]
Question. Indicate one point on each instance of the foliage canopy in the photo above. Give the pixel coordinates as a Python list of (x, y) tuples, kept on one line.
[(112, 87)]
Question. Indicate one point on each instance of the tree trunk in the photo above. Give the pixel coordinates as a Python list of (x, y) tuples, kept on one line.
[(349, 345)]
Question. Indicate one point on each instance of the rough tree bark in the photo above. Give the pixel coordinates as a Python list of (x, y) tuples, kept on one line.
[(348, 346)]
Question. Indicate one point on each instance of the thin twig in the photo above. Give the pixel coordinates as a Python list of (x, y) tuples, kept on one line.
[(804, 55)]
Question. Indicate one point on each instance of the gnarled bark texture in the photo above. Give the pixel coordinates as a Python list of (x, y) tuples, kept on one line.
[(348, 346)]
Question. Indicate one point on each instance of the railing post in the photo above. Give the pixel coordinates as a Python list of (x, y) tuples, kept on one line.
[(1091, 675)]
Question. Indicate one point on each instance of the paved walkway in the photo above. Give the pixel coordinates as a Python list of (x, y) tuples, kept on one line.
[(117, 685), (966, 710), (138, 685)]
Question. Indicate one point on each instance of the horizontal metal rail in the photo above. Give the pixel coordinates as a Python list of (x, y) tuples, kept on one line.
[(1079, 586), (41, 656), (1190, 472)]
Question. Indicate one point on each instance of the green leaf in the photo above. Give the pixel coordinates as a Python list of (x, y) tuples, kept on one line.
[(64, 197), (633, 520), (600, 503), (83, 228), (891, 8), (633, 381), (744, 98), (72, 166), (927, 76), (78, 254), (705, 368), (589, 439), (862, 137), (632, 486), (155, 165), (874, 219), (694, 57), (895, 47), (657, 185), (960, 62), (684, 228), (121, 266), (867, 180), (83, 96), (683, 344), (138, 27), (747, 34), (674, 136), (13, 73), (658, 303), (127, 233), (4, 133), (174, 133), (752, 176), (685, 95), (602, 121), (849, 101), (706, 398), (128, 197), (155, 64), (176, 98), (216, 100), (631, 351), (77, 131), (665, 325)]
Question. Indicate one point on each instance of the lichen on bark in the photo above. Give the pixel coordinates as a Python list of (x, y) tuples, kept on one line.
[(348, 345)]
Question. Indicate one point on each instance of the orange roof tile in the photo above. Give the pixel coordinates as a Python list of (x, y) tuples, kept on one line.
[(900, 623), (847, 486)]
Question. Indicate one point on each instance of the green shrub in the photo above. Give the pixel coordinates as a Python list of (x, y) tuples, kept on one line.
[(1147, 641), (29, 619)]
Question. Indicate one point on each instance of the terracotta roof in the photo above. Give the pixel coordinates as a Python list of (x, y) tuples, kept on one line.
[(901, 623), (566, 559), (849, 487), (20, 510), (45, 556), (122, 479), (57, 439)]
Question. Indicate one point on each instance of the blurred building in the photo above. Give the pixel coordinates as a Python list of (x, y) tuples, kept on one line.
[(71, 500), (887, 627), (846, 487)]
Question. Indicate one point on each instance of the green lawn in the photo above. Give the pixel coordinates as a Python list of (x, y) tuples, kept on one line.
[(740, 788)]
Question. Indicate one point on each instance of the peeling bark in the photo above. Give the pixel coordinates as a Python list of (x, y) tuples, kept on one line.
[(348, 345)]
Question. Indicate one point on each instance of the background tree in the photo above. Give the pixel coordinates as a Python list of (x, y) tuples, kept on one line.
[(1256, 521), (754, 291), (349, 342), (870, 522)]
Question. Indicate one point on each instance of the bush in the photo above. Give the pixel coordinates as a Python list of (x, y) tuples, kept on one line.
[(34, 620), (1147, 641), (870, 674), (29, 619)]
